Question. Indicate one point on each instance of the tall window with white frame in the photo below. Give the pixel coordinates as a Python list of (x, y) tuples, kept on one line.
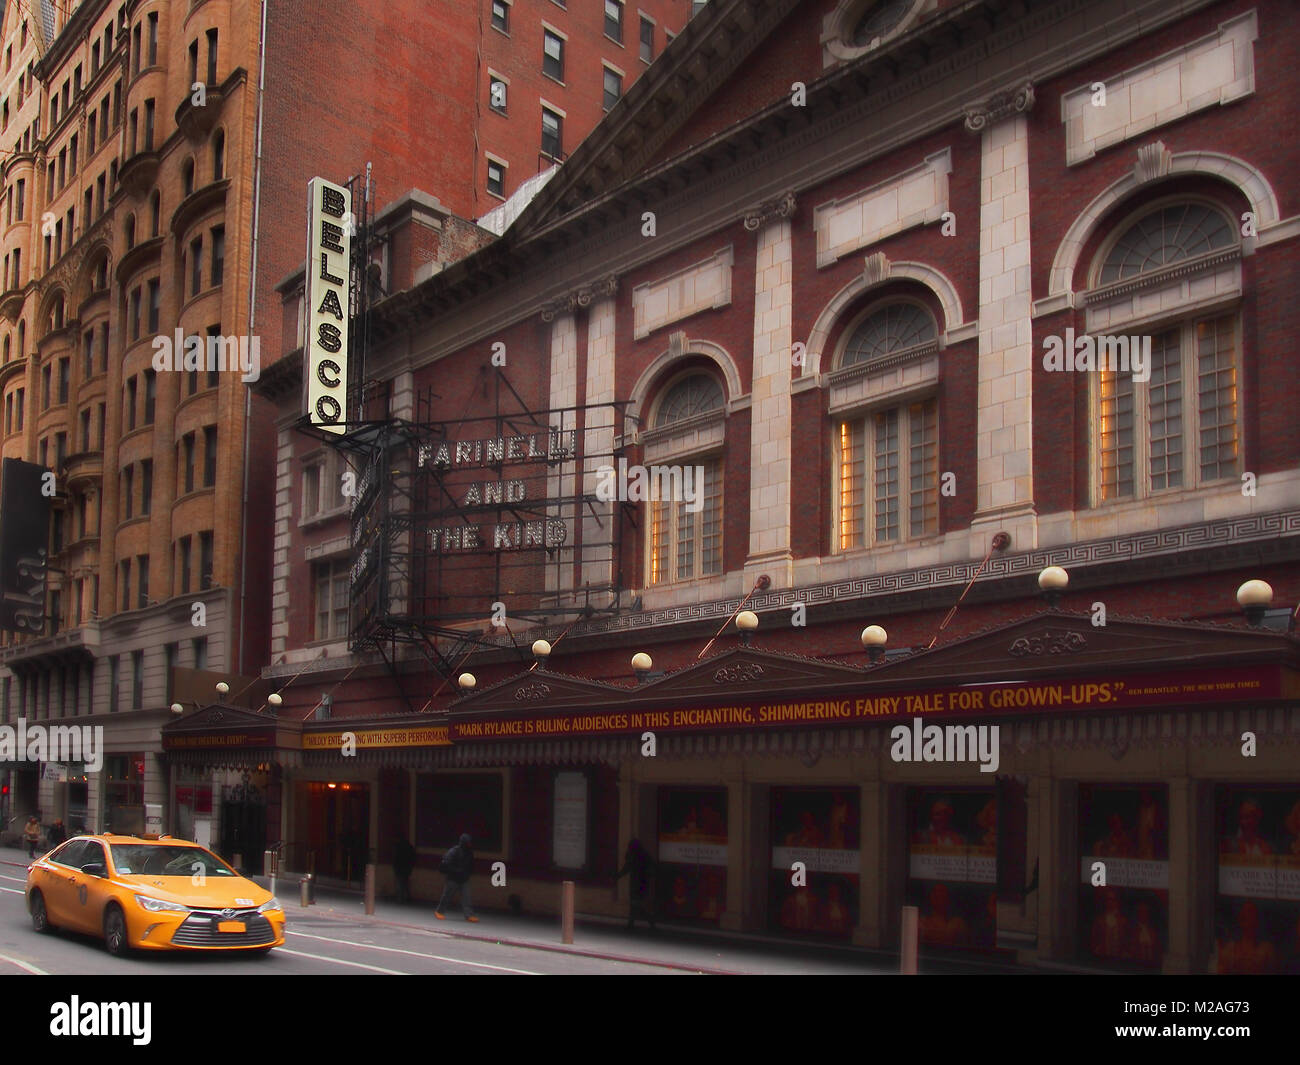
[(685, 528), (886, 458), (1175, 424)]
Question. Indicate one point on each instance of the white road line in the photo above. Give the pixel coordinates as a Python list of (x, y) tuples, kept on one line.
[(340, 961), (16, 891), (15, 879), (24, 966), (416, 954)]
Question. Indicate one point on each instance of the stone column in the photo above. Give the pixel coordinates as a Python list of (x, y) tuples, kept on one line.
[(769, 445), (598, 444), (284, 484), (564, 393), (1004, 427), (874, 863)]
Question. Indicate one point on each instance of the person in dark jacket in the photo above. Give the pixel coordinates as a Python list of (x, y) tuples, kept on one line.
[(56, 834), (638, 864), (457, 865), (403, 863)]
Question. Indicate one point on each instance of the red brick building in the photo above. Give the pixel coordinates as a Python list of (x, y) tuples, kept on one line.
[(929, 297)]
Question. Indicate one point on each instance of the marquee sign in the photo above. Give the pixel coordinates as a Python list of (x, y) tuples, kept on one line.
[(996, 699), (325, 346)]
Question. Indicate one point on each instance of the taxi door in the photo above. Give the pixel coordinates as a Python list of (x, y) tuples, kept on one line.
[(92, 891), (60, 881)]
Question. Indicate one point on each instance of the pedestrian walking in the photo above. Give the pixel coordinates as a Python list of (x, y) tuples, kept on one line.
[(457, 865), (56, 834), (638, 865), (32, 835), (403, 864)]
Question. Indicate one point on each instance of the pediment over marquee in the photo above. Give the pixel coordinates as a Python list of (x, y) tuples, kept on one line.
[(1055, 641), (218, 717), (748, 671), (537, 689)]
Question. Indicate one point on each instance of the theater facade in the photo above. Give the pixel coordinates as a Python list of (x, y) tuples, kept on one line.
[(785, 334)]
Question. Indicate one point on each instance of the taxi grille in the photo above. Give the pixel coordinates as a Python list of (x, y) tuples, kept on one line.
[(199, 929)]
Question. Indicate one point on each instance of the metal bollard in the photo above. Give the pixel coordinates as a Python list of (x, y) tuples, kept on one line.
[(566, 912), (911, 927), (304, 886)]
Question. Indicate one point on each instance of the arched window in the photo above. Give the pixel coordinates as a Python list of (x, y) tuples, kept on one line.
[(1166, 417), (129, 228), (6, 349), (55, 319), (685, 494), (22, 339), (1165, 236), (187, 177), (155, 213), (697, 394), (219, 155), (893, 328)]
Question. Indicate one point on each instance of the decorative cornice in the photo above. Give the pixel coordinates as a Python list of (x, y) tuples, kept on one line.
[(1048, 643), (583, 296), (1000, 105), (770, 211)]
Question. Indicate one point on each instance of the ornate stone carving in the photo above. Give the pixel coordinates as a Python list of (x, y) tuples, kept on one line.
[(999, 106), (738, 674), (875, 268), (532, 692), (1048, 643), (583, 296), (677, 344), (1153, 161), (769, 211)]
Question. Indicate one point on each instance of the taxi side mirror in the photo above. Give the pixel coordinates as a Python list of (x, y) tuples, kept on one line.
[(98, 869)]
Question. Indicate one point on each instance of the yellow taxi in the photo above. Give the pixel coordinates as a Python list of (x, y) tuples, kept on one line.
[(151, 894)]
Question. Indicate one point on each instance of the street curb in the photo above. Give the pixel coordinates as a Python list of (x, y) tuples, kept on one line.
[(527, 944)]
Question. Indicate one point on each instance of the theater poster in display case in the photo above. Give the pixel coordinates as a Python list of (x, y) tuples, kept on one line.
[(1123, 832), (818, 827), (692, 853), (1257, 905), (952, 865)]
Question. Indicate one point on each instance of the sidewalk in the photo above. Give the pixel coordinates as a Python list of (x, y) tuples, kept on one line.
[(671, 947)]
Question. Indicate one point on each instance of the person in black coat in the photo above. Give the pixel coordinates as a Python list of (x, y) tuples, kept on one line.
[(56, 834), (457, 865), (638, 864)]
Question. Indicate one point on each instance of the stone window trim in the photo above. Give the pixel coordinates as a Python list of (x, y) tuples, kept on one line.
[(838, 29), (1251, 183), (321, 459), (664, 369)]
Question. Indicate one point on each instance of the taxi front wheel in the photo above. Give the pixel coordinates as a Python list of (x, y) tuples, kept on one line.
[(40, 918), (115, 932)]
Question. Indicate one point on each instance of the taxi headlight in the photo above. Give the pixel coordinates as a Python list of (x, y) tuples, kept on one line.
[(160, 905), (272, 905)]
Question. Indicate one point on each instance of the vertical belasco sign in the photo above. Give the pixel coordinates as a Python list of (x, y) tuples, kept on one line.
[(329, 257)]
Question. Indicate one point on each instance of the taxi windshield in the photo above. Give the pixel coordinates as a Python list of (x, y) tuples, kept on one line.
[(143, 859)]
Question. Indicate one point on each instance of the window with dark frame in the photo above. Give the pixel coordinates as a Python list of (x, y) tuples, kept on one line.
[(647, 40), (496, 178), (613, 88), (501, 16), (614, 20), (552, 133), (552, 55)]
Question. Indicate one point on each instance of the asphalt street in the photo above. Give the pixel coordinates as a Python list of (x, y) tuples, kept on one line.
[(316, 945)]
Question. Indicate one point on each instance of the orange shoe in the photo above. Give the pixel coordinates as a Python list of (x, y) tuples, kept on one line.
[(440, 916), (472, 920)]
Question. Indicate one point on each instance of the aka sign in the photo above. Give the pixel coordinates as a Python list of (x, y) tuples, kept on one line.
[(329, 254)]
